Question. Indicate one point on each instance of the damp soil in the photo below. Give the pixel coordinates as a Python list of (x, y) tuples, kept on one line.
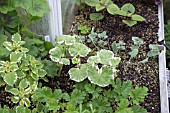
[(130, 69)]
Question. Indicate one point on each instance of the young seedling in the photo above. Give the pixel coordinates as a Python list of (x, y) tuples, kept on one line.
[(118, 46), (135, 48), (128, 10), (98, 39), (101, 5), (154, 51), (83, 28)]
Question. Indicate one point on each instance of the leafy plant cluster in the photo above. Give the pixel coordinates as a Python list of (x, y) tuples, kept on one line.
[(83, 28), (20, 74), (89, 98), (154, 50), (69, 50), (99, 40), (127, 10), (16, 15)]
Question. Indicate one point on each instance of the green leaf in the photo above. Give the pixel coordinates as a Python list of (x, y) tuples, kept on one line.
[(130, 23), (66, 39), (48, 45), (58, 94), (20, 74), (102, 105), (14, 91), (136, 17), (23, 83), (15, 99), (104, 2), (101, 76), (112, 8), (41, 73), (93, 59), (55, 54), (64, 61), (137, 41), (77, 97), (133, 53), (92, 2), (10, 78), (138, 109), (2, 69), (128, 8), (99, 7), (6, 7), (115, 61), (34, 76), (122, 107), (105, 56), (16, 37), (8, 46), (22, 109), (78, 74), (13, 67), (96, 16), (27, 102), (75, 60), (25, 4), (16, 56), (79, 49), (50, 67), (38, 8), (154, 50), (138, 94)]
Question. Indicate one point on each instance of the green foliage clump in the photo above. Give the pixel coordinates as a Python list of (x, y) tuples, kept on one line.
[(118, 46), (83, 28), (21, 73), (89, 98), (69, 49), (16, 15), (99, 40), (135, 48), (154, 51), (127, 10)]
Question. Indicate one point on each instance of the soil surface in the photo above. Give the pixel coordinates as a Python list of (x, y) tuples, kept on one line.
[(130, 69)]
